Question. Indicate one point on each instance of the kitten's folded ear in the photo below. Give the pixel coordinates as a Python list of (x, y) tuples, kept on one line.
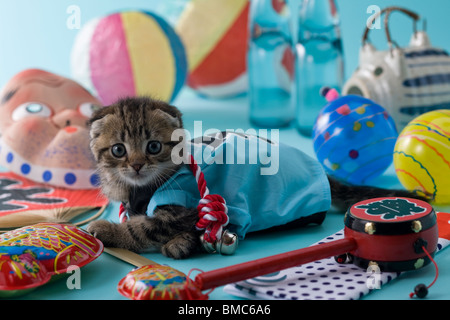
[(95, 122), (100, 114), (172, 114)]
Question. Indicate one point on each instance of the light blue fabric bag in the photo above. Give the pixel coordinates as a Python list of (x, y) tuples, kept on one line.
[(264, 184)]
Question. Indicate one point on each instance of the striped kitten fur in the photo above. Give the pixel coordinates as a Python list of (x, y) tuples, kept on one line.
[(131, 141)]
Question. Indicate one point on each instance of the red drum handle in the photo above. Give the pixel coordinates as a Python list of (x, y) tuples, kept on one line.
[(250, 269)]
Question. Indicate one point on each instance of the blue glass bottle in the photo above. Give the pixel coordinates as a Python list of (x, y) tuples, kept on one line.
[(271, 63), (320, 59)]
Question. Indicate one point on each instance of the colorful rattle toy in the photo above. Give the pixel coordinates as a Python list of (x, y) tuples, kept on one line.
[(31, 256), (395, 234)]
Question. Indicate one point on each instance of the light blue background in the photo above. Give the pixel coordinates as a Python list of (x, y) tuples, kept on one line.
[(33, 33)]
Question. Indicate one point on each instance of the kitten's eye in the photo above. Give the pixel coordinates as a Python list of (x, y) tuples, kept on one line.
[(118, 150), (31, 109), (154, 147)]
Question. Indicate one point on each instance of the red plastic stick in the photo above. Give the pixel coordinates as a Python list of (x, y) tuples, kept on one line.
[(250, 269)]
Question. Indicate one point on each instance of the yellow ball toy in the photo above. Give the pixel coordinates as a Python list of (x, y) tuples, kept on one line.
[(422, 156)]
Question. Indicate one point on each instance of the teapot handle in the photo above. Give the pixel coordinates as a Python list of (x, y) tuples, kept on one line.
[(388, 11)]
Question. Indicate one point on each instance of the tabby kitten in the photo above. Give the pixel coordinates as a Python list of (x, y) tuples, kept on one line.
[(131, 141)]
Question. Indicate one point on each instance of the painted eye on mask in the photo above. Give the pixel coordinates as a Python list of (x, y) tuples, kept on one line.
[(87, 109), (31, 109)]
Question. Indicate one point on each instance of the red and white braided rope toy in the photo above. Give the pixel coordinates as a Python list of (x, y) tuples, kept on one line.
[(212, 208)]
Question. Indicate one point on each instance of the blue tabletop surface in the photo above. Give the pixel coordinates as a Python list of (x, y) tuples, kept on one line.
[(99, 279)]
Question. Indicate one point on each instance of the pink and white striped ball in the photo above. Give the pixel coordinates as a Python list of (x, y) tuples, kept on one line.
[(129, 53)]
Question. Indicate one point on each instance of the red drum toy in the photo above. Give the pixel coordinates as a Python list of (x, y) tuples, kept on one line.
[(395, 234), (389, 232)]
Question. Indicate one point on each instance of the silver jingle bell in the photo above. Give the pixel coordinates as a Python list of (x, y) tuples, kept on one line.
[(207, 246), (227, 244)]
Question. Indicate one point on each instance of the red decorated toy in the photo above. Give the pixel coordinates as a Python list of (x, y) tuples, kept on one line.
[(158, 282), (31, 256), (397, 234)]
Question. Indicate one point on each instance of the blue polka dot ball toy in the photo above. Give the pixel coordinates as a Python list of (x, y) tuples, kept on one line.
[(354, 138)]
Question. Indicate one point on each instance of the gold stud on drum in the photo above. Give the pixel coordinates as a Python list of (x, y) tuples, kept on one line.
[(369, 228), (416, 226), (419, 263)]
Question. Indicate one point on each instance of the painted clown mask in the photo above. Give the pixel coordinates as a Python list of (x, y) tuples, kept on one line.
[(44, 133)]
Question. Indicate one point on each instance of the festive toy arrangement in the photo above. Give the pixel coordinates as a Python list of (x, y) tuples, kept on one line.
[(216, 46), (422, 156), (406, 81), (392, 234), (353, 137), (405, 230), (31, 256), (129, 53)]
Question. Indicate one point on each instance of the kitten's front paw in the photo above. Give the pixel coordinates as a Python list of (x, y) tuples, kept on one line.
[(104, 231), (180, 247)]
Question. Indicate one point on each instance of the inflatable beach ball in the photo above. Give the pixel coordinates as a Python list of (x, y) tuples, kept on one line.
[(214, 33), (128, 54), (422, 156)]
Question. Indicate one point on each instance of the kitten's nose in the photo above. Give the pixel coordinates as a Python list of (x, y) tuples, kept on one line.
[(137, 166)]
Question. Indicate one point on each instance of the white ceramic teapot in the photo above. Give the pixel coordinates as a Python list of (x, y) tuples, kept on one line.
[(405, 81)]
